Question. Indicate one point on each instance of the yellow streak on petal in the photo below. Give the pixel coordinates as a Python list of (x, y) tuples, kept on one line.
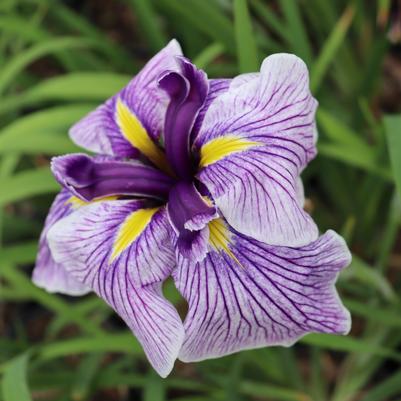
[(137, 136), (131, 229), (207, 200), (218, 148), (220, 237), (76, 202)]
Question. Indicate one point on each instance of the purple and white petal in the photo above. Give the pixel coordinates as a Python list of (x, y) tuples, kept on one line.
[(193, 245), (242, 79), (254, 141), (253, 295), (122, 250), (100, 132), (300, 192), (48, 274)]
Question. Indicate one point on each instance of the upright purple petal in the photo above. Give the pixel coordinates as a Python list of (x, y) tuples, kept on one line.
[(122, 250), (47, 273), (187, 91), (254, 141), (246, 294), (100, 132)]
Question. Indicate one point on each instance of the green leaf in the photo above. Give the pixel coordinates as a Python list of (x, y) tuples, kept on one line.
[(335, 130), (202, 15), (206, 56), (41, 142), (388, 388), (84, 377), (43, 131), (346, 146), (345, 154), (362, 272), (330, 47), (55, 119), (270, 18), (23, 59), (297, 35), (53, 302), (267, 391), (247, 51), (349, 344), (154, 389), (66, 17), (85, 86), (26, 184), (390, 232), (14, 384), (383, 314), (124, 343), (22, 253), (18, 26), (148, 22), (393, 135)]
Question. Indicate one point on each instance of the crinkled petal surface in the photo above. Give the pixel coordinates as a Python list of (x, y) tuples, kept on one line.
[(101, 132), (48, 274), (254, 295), (254, 141), (121, 249)]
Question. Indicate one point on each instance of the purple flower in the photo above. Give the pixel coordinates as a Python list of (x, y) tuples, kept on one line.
[(199, 180)]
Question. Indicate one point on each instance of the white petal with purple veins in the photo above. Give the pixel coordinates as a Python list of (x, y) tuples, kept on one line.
[(47, 273), (254, 295), (122, 250), (254, 141)]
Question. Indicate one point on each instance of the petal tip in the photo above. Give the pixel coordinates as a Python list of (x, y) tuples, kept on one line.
[(283, 58), (174, 46)]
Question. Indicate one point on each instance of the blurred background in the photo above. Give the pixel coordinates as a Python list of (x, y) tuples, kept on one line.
[(60, 59)]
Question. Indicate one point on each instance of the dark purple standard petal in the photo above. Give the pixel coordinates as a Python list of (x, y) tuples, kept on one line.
[(187, 91), (89, 178), (189, 214)]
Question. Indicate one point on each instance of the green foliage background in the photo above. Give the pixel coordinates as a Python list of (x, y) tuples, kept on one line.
[(59, 59)]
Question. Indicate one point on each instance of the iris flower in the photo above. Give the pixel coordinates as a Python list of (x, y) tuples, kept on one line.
[(198, 179)]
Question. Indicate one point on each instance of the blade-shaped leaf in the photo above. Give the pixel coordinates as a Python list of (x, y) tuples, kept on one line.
[(393, 134), (27, 184), (23, 59), (14, 384), (247, 51)]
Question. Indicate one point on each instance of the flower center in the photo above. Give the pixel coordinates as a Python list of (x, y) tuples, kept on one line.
[(94, 178)]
